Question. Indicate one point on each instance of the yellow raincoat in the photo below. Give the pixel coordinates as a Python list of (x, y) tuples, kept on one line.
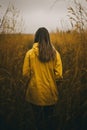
[(42, 89)]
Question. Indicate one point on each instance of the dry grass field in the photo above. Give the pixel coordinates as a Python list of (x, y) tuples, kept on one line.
[(71, 110)]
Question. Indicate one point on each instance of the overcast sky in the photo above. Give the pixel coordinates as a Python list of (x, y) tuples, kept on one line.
[(51, 14)]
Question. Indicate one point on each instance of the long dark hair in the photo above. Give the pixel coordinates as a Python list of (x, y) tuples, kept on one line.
[(46, 50)]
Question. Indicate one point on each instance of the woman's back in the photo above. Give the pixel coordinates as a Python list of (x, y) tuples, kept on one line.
[(42, 86)]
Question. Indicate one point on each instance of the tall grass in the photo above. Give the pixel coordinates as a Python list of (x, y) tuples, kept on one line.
[(72, 93), (71, 110)]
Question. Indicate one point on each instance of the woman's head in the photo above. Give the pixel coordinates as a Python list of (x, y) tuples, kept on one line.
[(42, 35), (46, 50)]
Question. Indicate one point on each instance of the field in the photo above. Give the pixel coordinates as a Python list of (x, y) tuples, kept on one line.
[(71, 110)]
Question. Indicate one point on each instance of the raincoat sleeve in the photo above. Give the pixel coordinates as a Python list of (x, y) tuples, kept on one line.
[(26, 66), (58, 67)]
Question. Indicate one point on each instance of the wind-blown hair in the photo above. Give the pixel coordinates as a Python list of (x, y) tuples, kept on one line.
[(46, 50)]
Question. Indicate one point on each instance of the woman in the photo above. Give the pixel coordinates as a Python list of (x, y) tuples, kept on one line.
[(43, 67)]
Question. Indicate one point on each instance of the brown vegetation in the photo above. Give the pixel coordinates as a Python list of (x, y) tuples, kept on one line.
[(71, 110), (72, 106)]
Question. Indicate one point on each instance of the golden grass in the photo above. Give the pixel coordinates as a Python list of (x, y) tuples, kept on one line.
[(72, 96)]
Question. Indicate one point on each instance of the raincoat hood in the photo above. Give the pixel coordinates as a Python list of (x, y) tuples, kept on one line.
[(36, 48)]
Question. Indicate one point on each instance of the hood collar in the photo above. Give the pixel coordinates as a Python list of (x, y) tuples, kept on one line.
[(36, 48)]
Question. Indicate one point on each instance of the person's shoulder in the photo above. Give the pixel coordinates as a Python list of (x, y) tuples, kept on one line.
[(57, 55), (57, 52), (29, 52)]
